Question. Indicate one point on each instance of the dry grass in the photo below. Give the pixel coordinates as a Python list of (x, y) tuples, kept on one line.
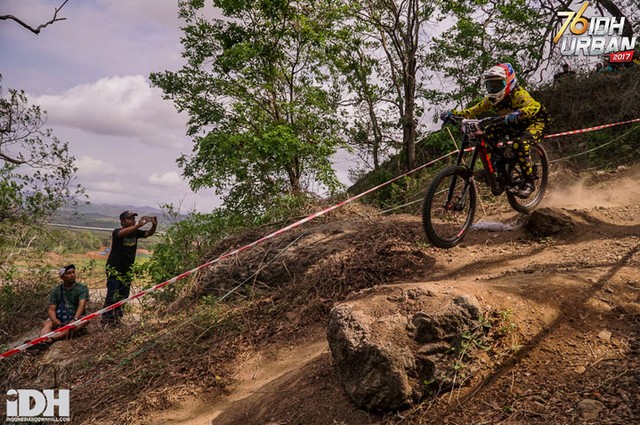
[(283, 287)]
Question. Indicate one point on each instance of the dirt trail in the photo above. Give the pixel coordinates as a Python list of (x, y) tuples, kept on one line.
[(574, 301), (253, 372)]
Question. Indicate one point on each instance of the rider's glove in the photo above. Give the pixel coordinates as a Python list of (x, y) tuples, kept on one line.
[(446, 116), (512, 117)]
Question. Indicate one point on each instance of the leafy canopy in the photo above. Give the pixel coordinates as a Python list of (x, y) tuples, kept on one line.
[(486, 32), (261, 101)]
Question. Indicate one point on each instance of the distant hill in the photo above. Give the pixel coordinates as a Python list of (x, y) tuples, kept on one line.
[(99, 215)]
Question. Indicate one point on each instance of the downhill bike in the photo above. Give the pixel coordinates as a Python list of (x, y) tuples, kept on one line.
[(450, 201)]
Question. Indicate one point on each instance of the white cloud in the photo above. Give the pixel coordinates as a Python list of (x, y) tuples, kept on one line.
[(89, 167), (168, 180), (89, 72), (117, 106), (112, 187)]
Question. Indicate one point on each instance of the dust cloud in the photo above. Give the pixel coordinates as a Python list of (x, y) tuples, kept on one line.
[(617, 191)]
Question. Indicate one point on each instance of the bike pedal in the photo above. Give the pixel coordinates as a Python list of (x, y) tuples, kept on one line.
[(521, 193)]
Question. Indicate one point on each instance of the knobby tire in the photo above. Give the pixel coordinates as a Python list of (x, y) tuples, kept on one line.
[(526, 206), (447, 227)]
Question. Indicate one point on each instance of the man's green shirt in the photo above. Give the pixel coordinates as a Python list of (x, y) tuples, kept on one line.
[(72, 296)]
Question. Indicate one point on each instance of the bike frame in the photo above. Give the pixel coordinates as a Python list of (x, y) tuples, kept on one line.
[(449, 209), (479, 149)]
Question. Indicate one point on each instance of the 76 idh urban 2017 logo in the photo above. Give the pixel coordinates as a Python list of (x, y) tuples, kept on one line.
[(598, 36)]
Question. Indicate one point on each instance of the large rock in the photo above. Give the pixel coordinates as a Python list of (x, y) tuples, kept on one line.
[(446, 325), (590, 409), (372, 358), (388, 358), (549, 222)]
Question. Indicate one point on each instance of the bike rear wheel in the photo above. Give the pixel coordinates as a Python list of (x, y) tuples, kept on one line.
[(540, 164), (449, 206)]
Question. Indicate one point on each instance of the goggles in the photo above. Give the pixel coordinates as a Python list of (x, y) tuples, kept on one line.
[(494, 86)]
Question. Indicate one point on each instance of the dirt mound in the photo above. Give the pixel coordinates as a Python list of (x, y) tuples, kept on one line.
[(331, 258), (568, 307), (564, 313)]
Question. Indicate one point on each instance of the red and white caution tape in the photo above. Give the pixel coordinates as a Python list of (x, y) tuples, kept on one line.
[(586, 130), (92, 316)]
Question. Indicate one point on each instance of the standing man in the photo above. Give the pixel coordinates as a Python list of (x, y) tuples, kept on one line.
[(67, 303), (124, 243)]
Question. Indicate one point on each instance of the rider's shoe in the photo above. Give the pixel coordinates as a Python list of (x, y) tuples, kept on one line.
[(525, 190)]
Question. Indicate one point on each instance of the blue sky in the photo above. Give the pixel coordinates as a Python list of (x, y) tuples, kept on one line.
[(90, 73)]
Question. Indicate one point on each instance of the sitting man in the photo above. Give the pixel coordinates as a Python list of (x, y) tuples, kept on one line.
[(67, 303)]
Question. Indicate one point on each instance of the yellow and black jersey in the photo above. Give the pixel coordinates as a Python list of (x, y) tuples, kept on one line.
[(519, 100)]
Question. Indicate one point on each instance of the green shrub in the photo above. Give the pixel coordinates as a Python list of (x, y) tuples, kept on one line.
[(187, 241), (288, 207)]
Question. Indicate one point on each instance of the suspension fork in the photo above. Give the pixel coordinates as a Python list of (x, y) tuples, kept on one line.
[(467, 182)]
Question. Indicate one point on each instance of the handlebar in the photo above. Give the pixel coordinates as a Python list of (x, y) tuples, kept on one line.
[(473, 127)]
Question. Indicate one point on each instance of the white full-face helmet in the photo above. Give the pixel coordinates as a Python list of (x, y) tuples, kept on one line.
[(499, 81)]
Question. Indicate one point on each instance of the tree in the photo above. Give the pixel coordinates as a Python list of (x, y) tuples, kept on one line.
[(36, 169), (398, 27), (490, 31), (486, 33), (261, 101), (371, 125), (36, 30)]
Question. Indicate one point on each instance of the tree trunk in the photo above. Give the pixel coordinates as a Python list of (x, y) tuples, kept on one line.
[(377, 135), (409, 126), (409, 120), (294, 178)]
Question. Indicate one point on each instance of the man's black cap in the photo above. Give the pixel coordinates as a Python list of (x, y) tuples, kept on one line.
[(65, 269), (127, 214)]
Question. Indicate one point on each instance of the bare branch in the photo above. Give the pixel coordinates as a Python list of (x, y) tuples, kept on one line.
[(37, 29), (12, 160)]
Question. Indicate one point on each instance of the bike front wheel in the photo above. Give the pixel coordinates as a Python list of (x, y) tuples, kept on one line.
[(449, 206)]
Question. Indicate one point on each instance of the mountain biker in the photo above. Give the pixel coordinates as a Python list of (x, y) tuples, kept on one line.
[(524, 118)]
